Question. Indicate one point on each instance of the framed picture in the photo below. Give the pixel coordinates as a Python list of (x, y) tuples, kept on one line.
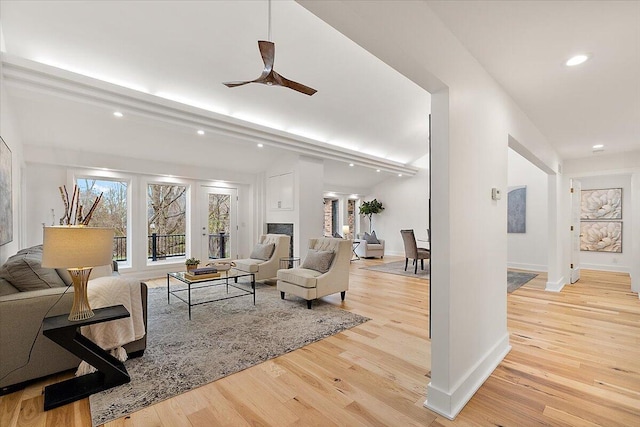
[(6, 211), (517, 209), (601, 236), (601, 204)]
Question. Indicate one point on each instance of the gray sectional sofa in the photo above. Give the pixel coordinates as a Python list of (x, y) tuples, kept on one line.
[(28, 293)]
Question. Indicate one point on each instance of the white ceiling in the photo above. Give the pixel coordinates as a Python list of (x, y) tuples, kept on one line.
[(184, 51), (524, 44)]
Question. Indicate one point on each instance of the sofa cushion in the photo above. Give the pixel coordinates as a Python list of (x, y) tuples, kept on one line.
[(318, 260), (374, 247), (249, 265), (262, 251), (371, 238), (300, 276), (7, 288), (25, 272)]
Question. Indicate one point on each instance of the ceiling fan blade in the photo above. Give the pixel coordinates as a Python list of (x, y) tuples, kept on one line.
[(268, 52), (283, 81), (236, 84)]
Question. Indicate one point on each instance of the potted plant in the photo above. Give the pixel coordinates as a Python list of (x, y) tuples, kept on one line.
[(192, 263), (368, 209)]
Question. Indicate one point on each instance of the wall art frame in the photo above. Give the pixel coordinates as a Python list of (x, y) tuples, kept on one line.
[(601, 236), (6, 194), (517, 209), (601, 204)]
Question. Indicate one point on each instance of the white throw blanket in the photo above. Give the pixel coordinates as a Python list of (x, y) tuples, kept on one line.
[(105, 292)]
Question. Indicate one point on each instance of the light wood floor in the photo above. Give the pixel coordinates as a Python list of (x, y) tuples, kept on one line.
[(575, 362)]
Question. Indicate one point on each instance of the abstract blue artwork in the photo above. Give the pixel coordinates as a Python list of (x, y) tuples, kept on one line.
[(517, 209)]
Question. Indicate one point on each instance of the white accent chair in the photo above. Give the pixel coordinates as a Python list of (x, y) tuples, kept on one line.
[(266, 269), (369, 250), (311, 284)]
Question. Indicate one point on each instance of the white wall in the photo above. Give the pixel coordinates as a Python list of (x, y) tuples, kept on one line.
[(406, 206), (529, 250), (9, 132), (309, 201), (472, 120), (47, 169)]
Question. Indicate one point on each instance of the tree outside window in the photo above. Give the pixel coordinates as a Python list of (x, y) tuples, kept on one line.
[(111, 211), (166, 220)]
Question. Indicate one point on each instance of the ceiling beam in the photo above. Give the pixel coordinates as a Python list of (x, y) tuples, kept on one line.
[(43, 78)]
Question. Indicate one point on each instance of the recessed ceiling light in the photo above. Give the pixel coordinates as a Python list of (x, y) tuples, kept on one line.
[(351, 164), (118, 114), (377, 170), (400, 174), (200, 132), (576, 60), (598, 146), (260, 145)]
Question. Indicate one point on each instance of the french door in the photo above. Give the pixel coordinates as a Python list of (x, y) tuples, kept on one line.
[(219, 223)]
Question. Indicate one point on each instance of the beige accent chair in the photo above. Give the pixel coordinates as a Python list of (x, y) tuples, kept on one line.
[(412, 251), (311, 284), (369, 250), (266, 269)]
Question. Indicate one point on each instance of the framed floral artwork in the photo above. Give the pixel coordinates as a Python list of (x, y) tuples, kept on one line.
[(601, 236), (601, 204)]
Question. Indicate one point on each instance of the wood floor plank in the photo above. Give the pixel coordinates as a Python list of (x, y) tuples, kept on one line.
[(575, 361)]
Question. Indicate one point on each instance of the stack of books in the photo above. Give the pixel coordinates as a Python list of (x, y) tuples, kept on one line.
[(203, 273)]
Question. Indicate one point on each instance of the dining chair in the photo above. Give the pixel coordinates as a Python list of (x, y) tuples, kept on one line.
[(412, 251)]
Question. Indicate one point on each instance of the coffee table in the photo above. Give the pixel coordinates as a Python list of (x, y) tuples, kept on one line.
[(179, 289)]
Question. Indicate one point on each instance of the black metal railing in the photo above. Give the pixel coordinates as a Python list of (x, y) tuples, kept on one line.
[(162, 246), (218, 246), (120, 248)]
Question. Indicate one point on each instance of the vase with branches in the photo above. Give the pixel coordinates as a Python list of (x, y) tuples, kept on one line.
[(369, 209)]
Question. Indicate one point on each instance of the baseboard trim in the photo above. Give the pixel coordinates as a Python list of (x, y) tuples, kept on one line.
[(555, 286), (450, 404), (617, 269), (530, 267)]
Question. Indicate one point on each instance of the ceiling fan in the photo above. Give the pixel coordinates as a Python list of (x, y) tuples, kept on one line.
[(269, 76)]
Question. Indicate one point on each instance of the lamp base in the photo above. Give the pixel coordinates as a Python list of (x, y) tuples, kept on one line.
[(80, 309)]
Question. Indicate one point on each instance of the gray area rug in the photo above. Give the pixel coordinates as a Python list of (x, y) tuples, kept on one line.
[(222, 338), (397, 267), (515, 279)]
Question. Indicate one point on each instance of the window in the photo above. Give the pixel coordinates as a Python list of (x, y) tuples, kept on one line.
[(219, 223), (166, 220), (110, 212)]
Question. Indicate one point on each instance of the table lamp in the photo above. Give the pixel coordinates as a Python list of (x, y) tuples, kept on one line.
[(345, 231), (78, 249)]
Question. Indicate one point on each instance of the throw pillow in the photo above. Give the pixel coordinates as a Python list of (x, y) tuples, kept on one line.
[(262, 251), (371, 238), (319, 261), (25, 272), (337, 236), (7, 288)]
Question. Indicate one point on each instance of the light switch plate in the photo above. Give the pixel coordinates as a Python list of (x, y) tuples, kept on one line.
[(496, 194)]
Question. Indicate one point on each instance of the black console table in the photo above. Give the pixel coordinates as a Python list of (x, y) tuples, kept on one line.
[(111, 372)]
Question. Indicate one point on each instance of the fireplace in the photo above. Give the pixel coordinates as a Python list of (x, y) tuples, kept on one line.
[(279, 228)]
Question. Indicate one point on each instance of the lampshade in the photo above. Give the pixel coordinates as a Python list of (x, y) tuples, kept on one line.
[(345, 230), (77, 247)]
